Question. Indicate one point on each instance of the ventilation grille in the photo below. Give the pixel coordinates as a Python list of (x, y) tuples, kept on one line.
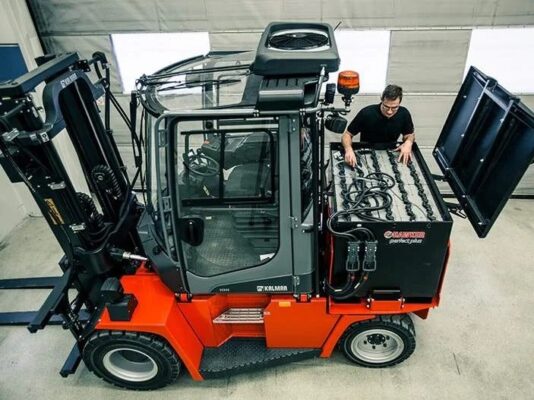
[(299, 40)]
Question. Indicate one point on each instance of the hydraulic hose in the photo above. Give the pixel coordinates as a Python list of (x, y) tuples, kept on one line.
[(106, 179)]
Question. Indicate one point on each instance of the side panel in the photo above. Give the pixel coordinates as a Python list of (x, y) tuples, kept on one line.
[(158, 312), (289, 323)]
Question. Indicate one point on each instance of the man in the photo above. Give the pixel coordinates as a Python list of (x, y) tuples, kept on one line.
[(382, 123)]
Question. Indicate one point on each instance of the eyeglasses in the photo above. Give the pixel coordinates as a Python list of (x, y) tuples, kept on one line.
[(388, 108)]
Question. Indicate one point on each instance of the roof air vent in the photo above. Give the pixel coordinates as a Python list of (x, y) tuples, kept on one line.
[(296, 49), (299, 40)]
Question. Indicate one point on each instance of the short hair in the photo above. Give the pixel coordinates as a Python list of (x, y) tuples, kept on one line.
[(392, 92)]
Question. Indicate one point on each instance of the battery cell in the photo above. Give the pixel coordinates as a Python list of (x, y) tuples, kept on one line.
[(403, 190)]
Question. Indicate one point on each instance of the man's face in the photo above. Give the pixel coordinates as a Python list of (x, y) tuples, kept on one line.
[(389, 107)]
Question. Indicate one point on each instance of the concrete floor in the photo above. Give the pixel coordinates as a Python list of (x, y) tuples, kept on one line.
[(478, 345)]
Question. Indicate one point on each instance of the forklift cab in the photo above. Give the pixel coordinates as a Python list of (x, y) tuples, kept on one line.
[(230, 138), (224, 168)]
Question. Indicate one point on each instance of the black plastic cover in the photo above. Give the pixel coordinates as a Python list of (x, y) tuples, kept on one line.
[(271, 61), (287, 94), (485, 147)]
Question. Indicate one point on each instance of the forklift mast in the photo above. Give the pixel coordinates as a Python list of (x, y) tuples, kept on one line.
[(94, 229)]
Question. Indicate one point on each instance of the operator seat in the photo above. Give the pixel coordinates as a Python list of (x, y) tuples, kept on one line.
[(249, 180)]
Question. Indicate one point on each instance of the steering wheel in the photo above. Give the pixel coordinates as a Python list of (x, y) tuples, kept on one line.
[(201, 165)]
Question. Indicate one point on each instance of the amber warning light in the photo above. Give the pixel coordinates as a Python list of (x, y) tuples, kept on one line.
[(348, 83)]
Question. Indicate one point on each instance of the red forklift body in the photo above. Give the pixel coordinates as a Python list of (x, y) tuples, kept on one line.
[(190, 325)]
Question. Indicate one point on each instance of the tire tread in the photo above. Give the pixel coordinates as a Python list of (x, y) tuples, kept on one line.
[(156, 343)]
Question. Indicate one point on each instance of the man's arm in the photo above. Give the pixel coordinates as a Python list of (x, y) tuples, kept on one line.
[(409, 137), (346, 141), (405, 149), (354, 128)]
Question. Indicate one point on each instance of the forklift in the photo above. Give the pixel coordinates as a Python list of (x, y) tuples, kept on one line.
[(242, 239)]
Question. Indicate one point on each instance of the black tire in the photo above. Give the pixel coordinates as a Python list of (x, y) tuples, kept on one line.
[(131, 360), (380, 342)]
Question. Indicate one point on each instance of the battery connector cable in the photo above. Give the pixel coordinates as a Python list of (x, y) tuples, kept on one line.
[(366, 194), (360, 261), (363, 196)]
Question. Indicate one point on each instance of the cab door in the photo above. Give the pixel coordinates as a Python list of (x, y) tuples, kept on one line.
[(223, 168), (485, 147)]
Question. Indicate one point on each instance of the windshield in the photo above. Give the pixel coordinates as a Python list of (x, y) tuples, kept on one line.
[(215, 80)]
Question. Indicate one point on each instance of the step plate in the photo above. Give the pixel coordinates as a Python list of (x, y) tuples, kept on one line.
[(240, 316), (245, 355)]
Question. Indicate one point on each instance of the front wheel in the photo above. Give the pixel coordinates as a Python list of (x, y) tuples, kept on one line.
[(381, 342), (137, 361)]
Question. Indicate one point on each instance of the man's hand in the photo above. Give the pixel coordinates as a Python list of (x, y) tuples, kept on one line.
[(405, 152), (346, 141), (350, 157)]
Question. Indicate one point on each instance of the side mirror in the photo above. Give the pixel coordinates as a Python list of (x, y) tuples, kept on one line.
[(330, 93), (191, 230)]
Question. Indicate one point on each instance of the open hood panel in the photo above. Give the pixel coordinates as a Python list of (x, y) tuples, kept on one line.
[(485, 147)]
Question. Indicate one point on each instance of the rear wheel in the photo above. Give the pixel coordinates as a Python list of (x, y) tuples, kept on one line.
[(381, 342), (131, 360)]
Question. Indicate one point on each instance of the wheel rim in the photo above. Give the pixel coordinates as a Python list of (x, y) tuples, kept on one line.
[(377, 346), (130, 364)]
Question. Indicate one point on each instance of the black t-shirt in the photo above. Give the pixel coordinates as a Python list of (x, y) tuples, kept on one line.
[(376, 128)]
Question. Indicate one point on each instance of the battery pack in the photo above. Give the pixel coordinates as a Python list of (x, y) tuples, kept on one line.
[(397, 211)]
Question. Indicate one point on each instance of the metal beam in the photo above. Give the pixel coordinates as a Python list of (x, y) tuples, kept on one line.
[(20, 318), (46, 282)]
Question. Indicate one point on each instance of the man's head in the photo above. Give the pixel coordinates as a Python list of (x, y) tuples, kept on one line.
[(391, 99)]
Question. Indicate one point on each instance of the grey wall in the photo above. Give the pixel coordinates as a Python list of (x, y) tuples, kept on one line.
[(428, 46)]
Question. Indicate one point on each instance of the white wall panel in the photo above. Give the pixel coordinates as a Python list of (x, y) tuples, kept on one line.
[(92, 16), (86, 46), (429, 114), (513, 12), (183, 15), (529, 101), (428, 61), (445, 13), (425, 13), (234, 40)]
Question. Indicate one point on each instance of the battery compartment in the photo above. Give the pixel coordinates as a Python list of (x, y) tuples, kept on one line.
[(390, 225)]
